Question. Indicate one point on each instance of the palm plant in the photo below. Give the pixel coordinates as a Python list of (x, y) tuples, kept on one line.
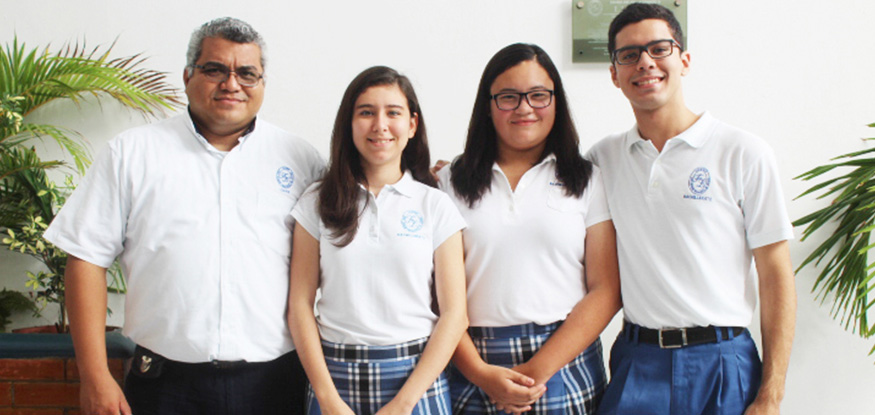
[(846, 272), (29, 80)]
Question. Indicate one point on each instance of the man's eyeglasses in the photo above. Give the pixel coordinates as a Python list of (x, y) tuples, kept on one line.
[(246, 75), (658, 49), (509, 101)]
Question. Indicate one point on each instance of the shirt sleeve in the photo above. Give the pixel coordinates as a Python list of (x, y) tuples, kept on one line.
[(306, 211), (317, 165), (598, 210), (443, 182), (446, 219), (91, 224), (592, 155), (765, 213)]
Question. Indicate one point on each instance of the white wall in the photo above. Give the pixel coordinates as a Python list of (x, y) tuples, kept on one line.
[(798, 73)]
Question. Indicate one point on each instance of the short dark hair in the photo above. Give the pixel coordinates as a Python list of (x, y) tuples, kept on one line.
[(472, 171), (637, 12)]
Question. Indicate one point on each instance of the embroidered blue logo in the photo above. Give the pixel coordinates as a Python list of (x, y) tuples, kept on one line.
[(285, 177), (700, 180), (412, 221), (699, 183)]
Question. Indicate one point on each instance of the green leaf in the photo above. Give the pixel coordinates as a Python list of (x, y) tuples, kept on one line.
[(846, 275), (31, 79)]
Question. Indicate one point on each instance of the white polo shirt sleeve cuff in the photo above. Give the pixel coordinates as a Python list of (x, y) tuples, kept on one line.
[(72, 247), (91, 224), (765, 212), (597, 210), (306, 212), (447, 220), (768, 238)]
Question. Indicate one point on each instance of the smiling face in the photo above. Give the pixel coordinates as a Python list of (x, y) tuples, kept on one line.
[(381, 126), (224, 108), (651, 84), (525, 129)]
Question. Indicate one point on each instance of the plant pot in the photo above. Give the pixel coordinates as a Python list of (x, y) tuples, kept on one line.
[(59, 345), (52, 329), (48, 329), (38, 372)]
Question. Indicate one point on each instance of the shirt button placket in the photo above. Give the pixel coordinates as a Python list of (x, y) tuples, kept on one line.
[(373, 230), (226, 209), (655, 175)]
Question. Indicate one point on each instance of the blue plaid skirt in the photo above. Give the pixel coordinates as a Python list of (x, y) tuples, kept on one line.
[(576, 389), (368, 377)]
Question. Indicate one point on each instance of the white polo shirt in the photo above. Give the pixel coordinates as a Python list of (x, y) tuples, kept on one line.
[(378, 289), (203, 236), (524, 249), (687, 219)]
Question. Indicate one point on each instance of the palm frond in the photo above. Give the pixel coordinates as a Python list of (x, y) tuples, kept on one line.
[(62, 136), (846, 274), (23, 184), (74, 73), (29, 80), (36, 77)]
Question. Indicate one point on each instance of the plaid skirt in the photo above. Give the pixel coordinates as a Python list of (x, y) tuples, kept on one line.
[(575, 389), (368, 377)]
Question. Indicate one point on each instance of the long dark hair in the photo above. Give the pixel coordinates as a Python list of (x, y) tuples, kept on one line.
[(339, 191), (472, 171)]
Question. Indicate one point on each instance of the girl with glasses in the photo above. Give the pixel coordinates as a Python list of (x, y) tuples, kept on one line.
[(540, 250), (384, 247)]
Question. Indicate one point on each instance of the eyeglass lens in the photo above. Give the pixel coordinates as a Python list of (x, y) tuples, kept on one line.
[(246, 76), (511, 100), (632, 54)]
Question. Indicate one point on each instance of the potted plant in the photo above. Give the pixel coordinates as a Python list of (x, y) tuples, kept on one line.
[(846, 273), (29, 80)]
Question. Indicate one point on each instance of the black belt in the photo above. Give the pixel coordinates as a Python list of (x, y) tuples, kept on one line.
[(676, 338), (149, 364)]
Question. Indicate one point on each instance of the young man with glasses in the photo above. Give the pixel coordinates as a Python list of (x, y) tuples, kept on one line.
[(695, 203), (196, 208)]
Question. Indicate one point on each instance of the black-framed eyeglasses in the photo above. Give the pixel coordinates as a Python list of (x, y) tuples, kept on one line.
[(658, 49), (246, 75), (509, 101)]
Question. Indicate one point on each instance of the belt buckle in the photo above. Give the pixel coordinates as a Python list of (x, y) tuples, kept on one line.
[(226, 364), (662, 344)]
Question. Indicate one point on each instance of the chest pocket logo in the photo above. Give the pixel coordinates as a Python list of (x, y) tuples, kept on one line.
[(412, 221), (700, 180), (285, 177)]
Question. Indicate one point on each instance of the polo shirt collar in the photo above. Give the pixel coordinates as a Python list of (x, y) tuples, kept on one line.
[(406, 186), (551, 158), (693, 136), (197, 132)]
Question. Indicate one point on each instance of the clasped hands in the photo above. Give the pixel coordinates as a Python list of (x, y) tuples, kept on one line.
[(513, 391)]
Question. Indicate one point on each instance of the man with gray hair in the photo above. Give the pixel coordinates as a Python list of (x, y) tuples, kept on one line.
[(196, 208)]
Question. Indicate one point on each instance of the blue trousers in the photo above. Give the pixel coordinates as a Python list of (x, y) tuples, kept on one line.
[(715, 379), (277, 387)]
